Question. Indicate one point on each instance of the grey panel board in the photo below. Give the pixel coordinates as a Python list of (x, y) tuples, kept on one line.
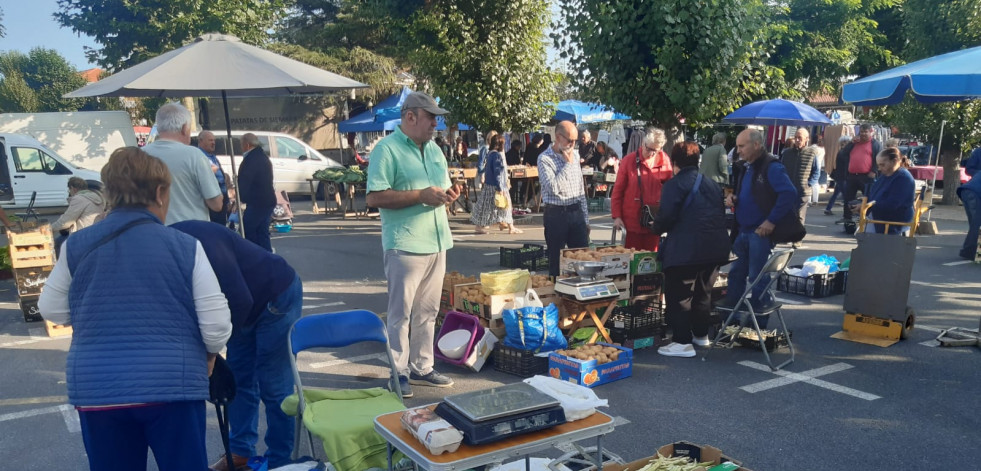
[(879, 275)]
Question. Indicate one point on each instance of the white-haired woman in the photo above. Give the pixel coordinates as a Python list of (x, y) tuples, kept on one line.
[(654, 168)]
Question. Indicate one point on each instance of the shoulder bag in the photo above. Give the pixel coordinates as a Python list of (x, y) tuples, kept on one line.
[(647, 212)]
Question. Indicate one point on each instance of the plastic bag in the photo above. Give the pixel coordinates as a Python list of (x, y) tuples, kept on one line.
[(819, 265), (504, 281), (534, 328), (577, 401)]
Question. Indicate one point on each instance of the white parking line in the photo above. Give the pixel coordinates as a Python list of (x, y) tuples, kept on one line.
[(66, 410), (488, 254), (603, 226), (805, 377), (338, 303), (962, 262)]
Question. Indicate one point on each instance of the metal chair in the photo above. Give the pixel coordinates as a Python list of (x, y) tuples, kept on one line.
[(30, 212), (775, 265), (335, 415)]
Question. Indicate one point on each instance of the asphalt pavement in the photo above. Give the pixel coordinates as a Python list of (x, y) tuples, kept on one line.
[(841, 405)]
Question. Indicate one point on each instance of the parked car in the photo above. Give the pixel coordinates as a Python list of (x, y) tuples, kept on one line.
[(924, 164), (293, 160), (32, 167)]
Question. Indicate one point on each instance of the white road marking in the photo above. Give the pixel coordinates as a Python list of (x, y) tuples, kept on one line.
[(805, 377), (354, 359), (72, 422), (792, 302), (488, 254), (337, 303), (37, 335), (962, 262), (603, 226), (813, 225), (921, 283), (930, 343), (928, 328), (618, 421)]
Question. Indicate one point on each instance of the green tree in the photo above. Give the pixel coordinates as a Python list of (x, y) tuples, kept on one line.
[(662, 61), (490, 74), (132, 32), (37, 81)]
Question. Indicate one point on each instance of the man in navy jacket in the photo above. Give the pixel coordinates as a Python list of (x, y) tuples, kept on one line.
[(255, 189)]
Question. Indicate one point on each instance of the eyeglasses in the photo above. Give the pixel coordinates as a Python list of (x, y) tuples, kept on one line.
[(650, 149)]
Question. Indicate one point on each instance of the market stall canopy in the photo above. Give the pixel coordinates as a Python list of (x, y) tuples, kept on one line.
[(777, 112), (953, 76), (385, 116), (585, 113)]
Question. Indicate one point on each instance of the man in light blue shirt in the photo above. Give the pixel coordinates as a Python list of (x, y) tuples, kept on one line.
[(409, 182), (206, 142)]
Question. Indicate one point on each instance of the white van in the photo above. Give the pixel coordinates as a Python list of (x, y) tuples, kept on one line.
[(29, 166), (84, 138), (293, 160)]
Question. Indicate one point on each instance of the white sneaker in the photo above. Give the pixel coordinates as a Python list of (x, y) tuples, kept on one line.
[(677, 350), (702, 341)]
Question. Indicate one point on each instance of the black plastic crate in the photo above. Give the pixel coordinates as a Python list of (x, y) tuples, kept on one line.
[(531, 257), (638, 320), (518, 362), (814, 286)]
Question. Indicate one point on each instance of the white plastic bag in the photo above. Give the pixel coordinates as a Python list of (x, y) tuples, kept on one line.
[(530, 299), (578, 401)]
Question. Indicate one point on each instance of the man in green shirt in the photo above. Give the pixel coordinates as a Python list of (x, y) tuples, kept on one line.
[(408, 181), (714, 164)]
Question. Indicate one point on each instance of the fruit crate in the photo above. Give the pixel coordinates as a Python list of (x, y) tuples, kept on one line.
[(813, 286), (519, 362), (638, 320), (531, 257)]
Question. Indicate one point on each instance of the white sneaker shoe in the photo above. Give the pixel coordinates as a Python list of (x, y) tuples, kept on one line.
[(677, 350), (702, 341)]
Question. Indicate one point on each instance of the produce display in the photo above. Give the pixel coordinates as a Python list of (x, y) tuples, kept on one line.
[(602, 354), (455, 278), (678, 463), (541, 281), (475, 295), (352, 174), (29, 248), (597, 255)]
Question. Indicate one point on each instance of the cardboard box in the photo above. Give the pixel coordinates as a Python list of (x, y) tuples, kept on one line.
[(481, 350), (701, 453), (649, 284), (488, 310), (590, 373), (619, 264), (446, 299), (496, 326), (644, 263), (55, 330), (29, 281), (28, 305)]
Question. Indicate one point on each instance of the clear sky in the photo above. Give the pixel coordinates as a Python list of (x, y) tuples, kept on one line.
[(29, 24)]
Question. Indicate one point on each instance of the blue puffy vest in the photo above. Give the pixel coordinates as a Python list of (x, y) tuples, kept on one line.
[(136, 336)]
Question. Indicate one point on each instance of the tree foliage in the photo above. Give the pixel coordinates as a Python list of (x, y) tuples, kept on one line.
[(489, 74), (36, 81), (131, 32), (662, 61)]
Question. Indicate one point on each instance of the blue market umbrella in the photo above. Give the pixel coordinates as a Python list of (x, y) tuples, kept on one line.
[(953, 76), (585, 113), (777, 112)]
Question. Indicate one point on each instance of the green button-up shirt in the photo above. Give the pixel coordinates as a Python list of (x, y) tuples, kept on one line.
[(397, 163)]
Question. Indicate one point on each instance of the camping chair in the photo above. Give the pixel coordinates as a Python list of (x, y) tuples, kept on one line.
[(918, 209), (30, 212), (775, 265), (343, 419)]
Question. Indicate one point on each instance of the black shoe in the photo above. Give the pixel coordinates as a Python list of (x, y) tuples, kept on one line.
[(827, 212), (405, 387), (433, 379)]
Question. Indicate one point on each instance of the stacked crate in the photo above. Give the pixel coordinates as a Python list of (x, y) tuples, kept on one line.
[(32, 257)]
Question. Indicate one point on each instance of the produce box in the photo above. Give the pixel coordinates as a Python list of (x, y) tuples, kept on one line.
[(56, 330), (610, 177), (638, 320), (590, 373), (813, 286), (450, 281), (531, 257), (649, 284), (617, 257), (496, 326), (697, 453), (28, 304), (469, 298), (644, 263), (29, 281), (34, 248)]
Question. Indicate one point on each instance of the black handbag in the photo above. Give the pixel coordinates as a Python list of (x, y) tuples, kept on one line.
[(788, 230), (647, 212)]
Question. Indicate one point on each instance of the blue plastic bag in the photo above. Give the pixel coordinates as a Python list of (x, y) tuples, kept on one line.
[(534, 328)]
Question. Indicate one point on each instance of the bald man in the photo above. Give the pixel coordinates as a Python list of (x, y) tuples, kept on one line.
[(206, 142), (564, 195), (799, 159), (255, 186)]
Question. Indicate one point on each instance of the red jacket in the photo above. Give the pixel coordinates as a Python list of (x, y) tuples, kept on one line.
[(625, 200)]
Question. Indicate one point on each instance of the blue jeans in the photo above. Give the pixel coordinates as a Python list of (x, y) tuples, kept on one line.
[(257, 226), (118, 439), (752, 252), (972, 205), (260, 360), (839, 189)]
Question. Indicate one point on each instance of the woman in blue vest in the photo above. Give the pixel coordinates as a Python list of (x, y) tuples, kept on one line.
[(149, 319)]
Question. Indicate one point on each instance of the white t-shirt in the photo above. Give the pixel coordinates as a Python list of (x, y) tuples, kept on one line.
[(192, 181)]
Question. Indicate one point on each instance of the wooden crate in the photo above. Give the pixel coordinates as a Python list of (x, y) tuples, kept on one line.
[(32, 256), (55, 330)]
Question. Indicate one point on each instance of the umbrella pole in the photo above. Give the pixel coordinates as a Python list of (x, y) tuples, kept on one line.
[(231, 156), (933, 185)]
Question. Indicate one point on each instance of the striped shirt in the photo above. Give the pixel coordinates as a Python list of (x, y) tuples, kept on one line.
[(562, 182)]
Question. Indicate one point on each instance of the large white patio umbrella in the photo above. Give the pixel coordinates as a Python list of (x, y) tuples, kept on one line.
[(217, 65)]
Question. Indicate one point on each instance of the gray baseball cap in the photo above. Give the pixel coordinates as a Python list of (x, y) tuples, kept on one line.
[(423, 101)]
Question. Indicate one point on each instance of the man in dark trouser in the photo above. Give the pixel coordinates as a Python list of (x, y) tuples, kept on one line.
[(861, 166), (798, 159), (564, 196), (255, 181)]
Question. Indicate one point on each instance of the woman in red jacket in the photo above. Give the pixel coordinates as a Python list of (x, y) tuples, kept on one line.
[(655, 169)]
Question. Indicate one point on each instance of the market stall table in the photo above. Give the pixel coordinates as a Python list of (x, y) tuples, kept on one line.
[(389, 426), (342, 207), (529, 176)]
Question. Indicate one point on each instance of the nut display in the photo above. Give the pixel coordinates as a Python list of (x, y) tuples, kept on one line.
[(541, 281), (601, 353), (596, 255)]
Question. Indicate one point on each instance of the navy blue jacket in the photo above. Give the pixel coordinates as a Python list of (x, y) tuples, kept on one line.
[(749, 213), (697, 234), (893, 196), (495, 172), (255, 179), (136, 337), (249, 276)]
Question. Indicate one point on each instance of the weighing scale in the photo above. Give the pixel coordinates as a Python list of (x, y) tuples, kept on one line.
[(588, 286), (494, 414)]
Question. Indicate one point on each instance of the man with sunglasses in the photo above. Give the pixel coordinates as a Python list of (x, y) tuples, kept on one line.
[(566, 218)]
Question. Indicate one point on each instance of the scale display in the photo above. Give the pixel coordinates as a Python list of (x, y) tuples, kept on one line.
[(588, 292)]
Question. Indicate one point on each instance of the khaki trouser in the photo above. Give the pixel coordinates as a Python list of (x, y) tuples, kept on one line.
[(415, 283)]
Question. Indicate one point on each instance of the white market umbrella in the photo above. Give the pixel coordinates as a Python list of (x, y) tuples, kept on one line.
[(217, 65)]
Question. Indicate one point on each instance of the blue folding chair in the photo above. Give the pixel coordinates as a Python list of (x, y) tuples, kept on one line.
[(343, 419)]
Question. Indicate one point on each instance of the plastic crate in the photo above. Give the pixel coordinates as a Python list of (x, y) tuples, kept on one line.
[(531, 257), (519, 362), (639, 320), (594, 205), (814, 286)]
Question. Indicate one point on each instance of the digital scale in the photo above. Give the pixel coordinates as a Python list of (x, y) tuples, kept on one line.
[(588, 286), (494, 414)]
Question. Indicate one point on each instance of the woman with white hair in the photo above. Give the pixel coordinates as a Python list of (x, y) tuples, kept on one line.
[(638, 184)]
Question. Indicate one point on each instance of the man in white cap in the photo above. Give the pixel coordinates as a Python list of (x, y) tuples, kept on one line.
[(409, 182)]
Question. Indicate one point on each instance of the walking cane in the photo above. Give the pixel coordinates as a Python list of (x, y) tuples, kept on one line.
[(222, 390)]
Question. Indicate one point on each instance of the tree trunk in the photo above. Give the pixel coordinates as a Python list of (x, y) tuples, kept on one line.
[(952, 175)]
